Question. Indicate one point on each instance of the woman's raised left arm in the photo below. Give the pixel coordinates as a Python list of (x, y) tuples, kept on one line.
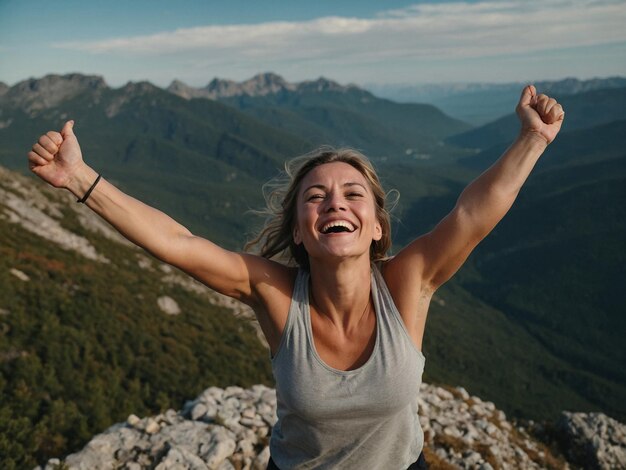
[(433, 258)]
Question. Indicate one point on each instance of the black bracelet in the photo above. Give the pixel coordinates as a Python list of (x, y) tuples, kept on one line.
[(86, 196)]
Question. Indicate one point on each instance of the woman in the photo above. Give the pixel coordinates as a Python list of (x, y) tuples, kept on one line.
[(345, 330)]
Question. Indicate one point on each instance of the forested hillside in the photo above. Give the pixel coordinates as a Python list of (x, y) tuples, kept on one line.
[(83, 340)]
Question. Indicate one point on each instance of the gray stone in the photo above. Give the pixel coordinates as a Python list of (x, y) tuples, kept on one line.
[(179, 458), (22, 276), (152, 426), (219, 452), (471, 459), (168, 305), (198, 412), (463, 392), (593, 440), (226, 465), (236, 421), (133, 420), (246, 447), (261, 461), (132, 466)]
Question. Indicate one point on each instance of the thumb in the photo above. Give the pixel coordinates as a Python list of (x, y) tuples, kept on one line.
[(68, 129), (528, 94)]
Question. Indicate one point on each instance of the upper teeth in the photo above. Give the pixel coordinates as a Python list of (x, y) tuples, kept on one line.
[(337, 223)]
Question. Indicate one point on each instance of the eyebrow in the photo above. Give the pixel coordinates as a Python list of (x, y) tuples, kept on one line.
[(322, 187)]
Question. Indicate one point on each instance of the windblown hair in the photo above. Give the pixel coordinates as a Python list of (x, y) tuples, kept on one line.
[(281, 197)]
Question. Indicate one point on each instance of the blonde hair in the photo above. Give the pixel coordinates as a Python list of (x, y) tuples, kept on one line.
[(281, 195)]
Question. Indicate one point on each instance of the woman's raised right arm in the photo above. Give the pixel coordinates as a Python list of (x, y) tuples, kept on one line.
[(56, 158)]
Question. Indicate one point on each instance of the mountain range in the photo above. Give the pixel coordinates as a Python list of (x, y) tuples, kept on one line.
[(480, 103), (325, 112), (533, 321)]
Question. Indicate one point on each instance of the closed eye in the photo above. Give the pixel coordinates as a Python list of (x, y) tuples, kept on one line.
[(354, 195), (313, 197)]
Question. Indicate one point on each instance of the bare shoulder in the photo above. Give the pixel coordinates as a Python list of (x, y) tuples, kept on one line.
[(404, 272), (272, 286), (268, 278), (410, 291)]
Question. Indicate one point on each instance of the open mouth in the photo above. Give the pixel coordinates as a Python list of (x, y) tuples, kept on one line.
[(338, 226)]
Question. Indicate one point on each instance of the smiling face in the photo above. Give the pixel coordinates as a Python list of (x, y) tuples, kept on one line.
[(336, 213)]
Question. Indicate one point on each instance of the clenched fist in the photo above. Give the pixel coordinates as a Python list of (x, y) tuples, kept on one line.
[(56, 157), (540, 115)]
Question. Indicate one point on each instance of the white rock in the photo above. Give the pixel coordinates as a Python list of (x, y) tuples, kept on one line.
[(463, 392), (26, 213), (491, 429), (133, 420), (52, 464), (246, 447), (444, 394), (219, 452), (248, 413), (198, 411), (168, 305), (261, 461), (22, 276), (179, 458), (152, 426), (226, 465)]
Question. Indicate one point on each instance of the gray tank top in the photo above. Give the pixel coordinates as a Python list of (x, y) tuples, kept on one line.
[(334, 419)]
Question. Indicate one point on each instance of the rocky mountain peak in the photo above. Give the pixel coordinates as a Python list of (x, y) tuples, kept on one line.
[(323, 84), (138, 88), (221, 88), (3, 88), (262, 84), (572, 86), (265, 84), (181, 89), (43, 93)]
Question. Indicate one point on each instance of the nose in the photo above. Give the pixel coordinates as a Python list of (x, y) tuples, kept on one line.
[(335, 202)]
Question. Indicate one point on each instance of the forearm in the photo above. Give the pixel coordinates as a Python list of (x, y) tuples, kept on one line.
[(143, 225), (490, 196)]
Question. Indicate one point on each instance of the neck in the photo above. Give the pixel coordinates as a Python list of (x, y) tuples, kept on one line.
[(341, 292)]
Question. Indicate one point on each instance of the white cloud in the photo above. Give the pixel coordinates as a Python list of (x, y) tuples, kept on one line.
[(433, 31)]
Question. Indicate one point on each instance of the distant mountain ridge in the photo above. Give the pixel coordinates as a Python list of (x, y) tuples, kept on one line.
[(316, 112), (50, 90), (434, 91), (37, 94), (479, 103), (260, 85), (583, 110), (325, 112)]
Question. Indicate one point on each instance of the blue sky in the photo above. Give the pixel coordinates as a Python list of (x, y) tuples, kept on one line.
[(361, 42)]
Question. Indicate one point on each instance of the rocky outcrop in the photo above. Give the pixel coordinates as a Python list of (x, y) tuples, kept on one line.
[(592, 440), (230, 428), (39, 209), (221, 429)]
